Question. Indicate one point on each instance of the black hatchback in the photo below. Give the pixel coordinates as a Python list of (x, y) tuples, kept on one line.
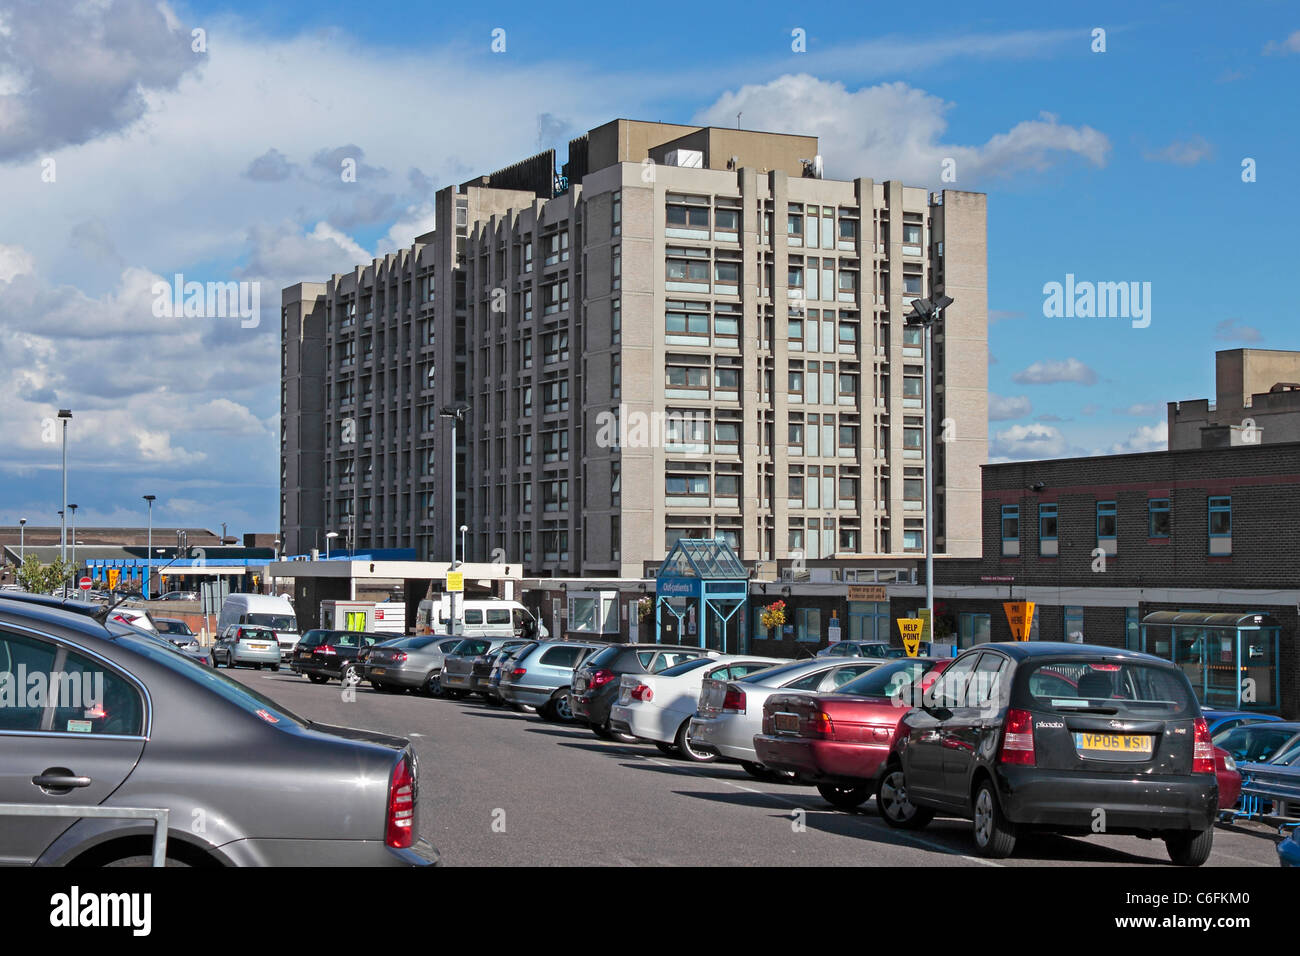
[(596, 680), (322, 654), (1063, 738)]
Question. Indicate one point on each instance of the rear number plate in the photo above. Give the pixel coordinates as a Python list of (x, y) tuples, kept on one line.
[(1136, 744), (786, 723), (377, 670)]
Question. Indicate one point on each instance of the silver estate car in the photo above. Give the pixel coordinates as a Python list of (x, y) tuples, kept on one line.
[(139, 725), (409, 663), (247, 644), (541, 677)]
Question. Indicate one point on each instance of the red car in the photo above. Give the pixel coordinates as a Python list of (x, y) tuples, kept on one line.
[(1225, 769), (839, 741)]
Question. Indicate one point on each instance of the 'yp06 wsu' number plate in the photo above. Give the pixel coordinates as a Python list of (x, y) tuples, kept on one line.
[(1136, 744)]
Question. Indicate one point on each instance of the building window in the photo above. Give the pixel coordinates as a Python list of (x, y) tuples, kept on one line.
[(1047, 543), (912, 540), (1074, 625), (618, 214), (616, 269), (973, 629), (615, 536), (808, 625), (1106, 526), (1010, 531), (1158, 517), (616, 374), (1220, 525), (616, 322), (688, 216)]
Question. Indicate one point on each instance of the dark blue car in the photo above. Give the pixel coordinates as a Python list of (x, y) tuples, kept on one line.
[(1227, 719)]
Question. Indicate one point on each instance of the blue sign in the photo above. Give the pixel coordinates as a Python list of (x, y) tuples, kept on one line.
[(678, 587)]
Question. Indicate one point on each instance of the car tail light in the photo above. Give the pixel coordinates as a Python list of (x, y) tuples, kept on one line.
[(399, 658), (643, 693), (401, 806), (1018, 738), (734, 701), (1202, 748), (326, 649), (601, 677), (518, 672), (823, 726)]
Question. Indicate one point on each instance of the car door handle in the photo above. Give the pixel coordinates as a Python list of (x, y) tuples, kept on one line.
[(59, 777)]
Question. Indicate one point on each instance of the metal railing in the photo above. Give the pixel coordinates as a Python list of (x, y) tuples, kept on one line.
[(159, 817)]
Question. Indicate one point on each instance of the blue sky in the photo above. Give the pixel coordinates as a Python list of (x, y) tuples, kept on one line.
[(1123, 165)]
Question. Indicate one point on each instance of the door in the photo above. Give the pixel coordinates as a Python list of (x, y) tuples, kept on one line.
[(923, 761), (972, 724), (71, 731)]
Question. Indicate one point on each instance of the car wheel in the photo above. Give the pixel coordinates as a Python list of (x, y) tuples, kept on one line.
[(561, 707), (258, 666), (1189, 849), (350, 675), (995, 836), (895, 807), (684, 748), (275, 668), (317, 678), (433, 685), (602, 732), (844, 798), (144, 861)]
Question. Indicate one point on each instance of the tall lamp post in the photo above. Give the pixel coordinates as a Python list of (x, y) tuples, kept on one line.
[(457, 414), (65, 415), (148, 568), (329, 536), (463, 552), (72, 509), (924, 312), (22, 541)]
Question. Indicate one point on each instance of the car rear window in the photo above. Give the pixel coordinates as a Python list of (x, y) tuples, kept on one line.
[(312, 638), (561, 656), (685, 667), (671, 659), (1131, 688), (602, 657)]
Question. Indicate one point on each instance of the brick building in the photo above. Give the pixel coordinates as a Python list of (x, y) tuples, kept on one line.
[(1101, 543)]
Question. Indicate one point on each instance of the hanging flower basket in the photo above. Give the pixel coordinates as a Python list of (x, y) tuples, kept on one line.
[(644, 608), (774, 615)]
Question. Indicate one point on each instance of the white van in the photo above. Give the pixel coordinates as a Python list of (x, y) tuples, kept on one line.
[(267, 610), (481, 618)]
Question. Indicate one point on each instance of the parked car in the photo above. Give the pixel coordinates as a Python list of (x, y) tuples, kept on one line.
[(1258, 742), (1037, 736), (322, 654), (179, 596), (480, 674), (1229, 777), (878, 650), (409, 663), (265, 610), (501, 661), (840, 741), (135, 616), (659, 707), (181, 636), (245, 644), (458, 667), (167, 733), (1221, 720), (730, 712), (542, 677), (596, 679)]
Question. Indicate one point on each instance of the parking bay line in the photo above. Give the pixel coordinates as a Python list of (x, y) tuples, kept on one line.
[(938, 848)]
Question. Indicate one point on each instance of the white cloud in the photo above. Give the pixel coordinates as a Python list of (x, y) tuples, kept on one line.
[(1186, 152), (1021, 442), (1282, 47), (1002, 408), (1051, 372), (416, 221), (895, 131), (14, 261), (1141, 409), (1234, 330), (1146, 438)]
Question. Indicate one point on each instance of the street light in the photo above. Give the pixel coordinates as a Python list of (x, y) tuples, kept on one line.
[(924, 312), (463, 552), (73, 510), (457, 414), (65, 414), (329, 536), (148, 568), (22, 541)]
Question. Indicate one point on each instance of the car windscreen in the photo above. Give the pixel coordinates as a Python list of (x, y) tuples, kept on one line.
[(1127, 688), (602, 657), (887, 679), (277, 622), (1254, 743), (216, 681), (685, 667), (468, 648)]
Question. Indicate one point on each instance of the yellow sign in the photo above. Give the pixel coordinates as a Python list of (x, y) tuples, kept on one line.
[(113, 575), (910, 628), (1020, 615), (456, 581), (924, 615), (868, 592)]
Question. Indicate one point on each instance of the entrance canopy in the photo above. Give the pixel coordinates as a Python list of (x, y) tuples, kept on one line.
[(699, 589)]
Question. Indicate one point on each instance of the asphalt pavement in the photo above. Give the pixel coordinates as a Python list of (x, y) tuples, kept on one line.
[(503, 788)]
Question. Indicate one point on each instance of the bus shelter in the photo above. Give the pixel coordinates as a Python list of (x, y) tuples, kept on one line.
[(1231, 659), (701, 590)]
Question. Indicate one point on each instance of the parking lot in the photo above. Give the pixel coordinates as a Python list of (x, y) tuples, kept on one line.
[(499, 787)]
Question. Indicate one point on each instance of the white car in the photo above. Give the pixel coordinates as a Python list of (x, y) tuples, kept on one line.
[(137, 617), (659, 707), (730, 713)]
